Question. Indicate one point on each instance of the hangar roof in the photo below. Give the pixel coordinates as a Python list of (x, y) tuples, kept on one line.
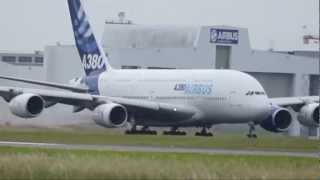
[(142, 36)]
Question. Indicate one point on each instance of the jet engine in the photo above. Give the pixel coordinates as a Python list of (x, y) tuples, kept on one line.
[(309, 115), (111, 115), (279, 120), (27, 105)]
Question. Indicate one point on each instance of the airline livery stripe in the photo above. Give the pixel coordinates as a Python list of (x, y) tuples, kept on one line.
[(80, 13), (82, 19), (83, 27), (88, 33)]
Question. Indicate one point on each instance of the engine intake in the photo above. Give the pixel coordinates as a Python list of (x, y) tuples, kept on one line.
[(279, 120), (309, 115), (111, 115), (27, 105)]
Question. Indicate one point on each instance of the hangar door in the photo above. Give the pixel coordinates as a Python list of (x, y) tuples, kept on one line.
[(275, 84), (223, 57), (314, 85)]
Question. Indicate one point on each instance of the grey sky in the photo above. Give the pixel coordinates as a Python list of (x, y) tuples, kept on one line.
[(28, 25)]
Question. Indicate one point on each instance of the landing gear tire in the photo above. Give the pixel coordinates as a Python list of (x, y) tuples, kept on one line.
[(151, 132), (252, 136), (204, 133), (143, 131), (130, 132), (177, 133), (174, 132)]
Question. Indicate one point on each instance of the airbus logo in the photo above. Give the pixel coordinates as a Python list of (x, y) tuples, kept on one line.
[(214, 35), (194, 89), (226, 36)]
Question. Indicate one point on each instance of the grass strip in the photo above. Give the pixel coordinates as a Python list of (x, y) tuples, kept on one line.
[(41, 163), (233, 141)]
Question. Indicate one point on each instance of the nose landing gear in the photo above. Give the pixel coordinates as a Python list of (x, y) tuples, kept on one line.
[(252, 129)]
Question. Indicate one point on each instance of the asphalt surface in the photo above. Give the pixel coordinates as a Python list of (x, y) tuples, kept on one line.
[(127, 148)]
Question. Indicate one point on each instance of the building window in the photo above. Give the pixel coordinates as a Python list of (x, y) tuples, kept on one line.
[(25, 59), (9, 59), (38, 60), (159, 68), (130, 67)]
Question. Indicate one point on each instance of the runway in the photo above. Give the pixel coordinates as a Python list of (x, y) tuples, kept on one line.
[(127, 148)]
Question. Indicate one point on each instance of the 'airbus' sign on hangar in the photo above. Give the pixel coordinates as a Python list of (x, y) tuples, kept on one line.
[(224, 36)]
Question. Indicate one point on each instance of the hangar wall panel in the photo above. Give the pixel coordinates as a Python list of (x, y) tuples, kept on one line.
[(27, 72), (63, 63), (315, 85), (275, 84)]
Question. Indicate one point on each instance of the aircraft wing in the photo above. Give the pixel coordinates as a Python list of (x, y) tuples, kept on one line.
[(88, 101), (50, 96), (48, 84), (163, 108), (293, 101)]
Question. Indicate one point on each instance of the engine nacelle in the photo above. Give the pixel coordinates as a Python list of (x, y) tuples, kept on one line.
[(279, 120), (309, 115), (27, 105), (111, 115)]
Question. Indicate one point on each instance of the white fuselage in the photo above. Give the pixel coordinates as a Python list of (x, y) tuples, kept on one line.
[(221, 96)]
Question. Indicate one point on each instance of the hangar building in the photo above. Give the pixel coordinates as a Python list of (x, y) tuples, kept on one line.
[(294, 73)]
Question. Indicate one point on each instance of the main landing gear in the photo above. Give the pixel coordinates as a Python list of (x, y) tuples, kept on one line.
[(252, 129), (174, 132), (204, 132), (145, 130)]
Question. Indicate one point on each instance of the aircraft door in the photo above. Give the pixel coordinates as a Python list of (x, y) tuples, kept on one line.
[(234, 99), (236, 107)]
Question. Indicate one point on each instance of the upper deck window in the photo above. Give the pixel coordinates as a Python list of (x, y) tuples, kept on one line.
[(9, 59), (38, 60), (25, 59)]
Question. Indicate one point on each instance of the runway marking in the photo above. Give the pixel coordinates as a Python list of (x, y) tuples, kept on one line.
[(160, 149)]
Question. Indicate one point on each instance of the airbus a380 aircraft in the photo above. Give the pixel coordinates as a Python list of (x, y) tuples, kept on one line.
[(166, 98)]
